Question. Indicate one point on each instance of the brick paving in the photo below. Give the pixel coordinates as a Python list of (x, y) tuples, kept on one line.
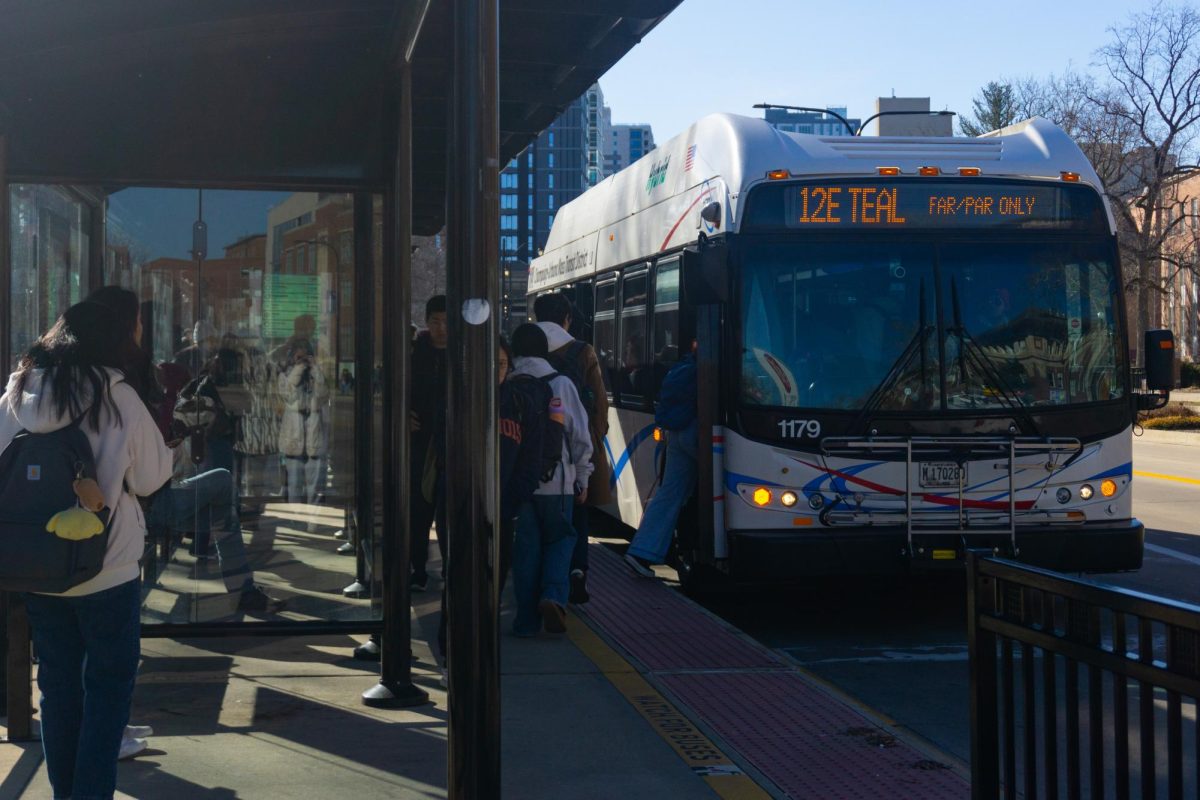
[(772, 716)]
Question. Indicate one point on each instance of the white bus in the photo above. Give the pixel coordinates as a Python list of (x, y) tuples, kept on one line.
[(907, 347)]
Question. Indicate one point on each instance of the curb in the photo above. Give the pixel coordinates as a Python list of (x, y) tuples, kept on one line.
[(1169, 437)]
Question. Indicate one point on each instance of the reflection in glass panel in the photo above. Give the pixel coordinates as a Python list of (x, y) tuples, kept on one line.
[(255, 356), (635, 376), (51, 227), (825, 325), (605, 331), (1033, 325)]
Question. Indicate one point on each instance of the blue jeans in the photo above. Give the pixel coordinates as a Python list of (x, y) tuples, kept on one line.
[(653, 537), (305, 478), (541, 557), (88, 649), (200, 504)]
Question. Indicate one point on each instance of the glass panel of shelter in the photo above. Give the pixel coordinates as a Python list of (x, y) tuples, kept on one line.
[(250, 318)]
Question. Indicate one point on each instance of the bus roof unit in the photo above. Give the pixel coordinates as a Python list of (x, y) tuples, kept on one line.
[(655, 204)]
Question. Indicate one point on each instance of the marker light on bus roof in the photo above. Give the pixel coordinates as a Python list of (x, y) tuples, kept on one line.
[(1070, 177), (929, 171), (778, 175), (889, 170), (969, 172)]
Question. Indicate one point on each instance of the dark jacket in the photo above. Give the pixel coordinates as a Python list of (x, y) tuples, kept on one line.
[(520, 468), (427, 398)]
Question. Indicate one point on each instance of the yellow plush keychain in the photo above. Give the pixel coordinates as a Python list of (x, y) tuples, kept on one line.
[(80, 522)]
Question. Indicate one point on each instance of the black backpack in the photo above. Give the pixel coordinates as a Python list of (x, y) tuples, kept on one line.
[(567, 363), (539, 424), (37, 473)]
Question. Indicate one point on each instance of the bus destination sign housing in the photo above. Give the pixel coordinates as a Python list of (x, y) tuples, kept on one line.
[(925, 204)]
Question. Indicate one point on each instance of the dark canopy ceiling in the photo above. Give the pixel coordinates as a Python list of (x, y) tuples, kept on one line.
[(275, 92)]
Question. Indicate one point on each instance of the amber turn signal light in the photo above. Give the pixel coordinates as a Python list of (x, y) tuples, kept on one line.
[(889, 171)]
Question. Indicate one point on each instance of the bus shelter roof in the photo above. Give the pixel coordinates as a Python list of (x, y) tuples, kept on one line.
[(284, 93)]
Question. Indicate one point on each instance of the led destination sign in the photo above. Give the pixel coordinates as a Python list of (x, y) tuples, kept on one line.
[(925, 204)]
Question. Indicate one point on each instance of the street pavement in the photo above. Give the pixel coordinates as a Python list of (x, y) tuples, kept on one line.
[(899, 646)]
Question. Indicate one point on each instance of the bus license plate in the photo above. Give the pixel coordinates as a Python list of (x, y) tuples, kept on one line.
[(940, 474)]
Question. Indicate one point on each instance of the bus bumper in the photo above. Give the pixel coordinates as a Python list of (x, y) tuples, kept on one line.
[(779, 556)]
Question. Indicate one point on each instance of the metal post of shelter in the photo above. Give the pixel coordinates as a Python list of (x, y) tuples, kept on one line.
[(472, 301), (395, 688), (17, 668)]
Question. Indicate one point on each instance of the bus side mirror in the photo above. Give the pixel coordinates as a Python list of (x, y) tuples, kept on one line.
[(1159, 347), (705, 273)]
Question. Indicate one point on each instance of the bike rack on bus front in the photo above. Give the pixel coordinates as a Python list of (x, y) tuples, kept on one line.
[(960, 449)]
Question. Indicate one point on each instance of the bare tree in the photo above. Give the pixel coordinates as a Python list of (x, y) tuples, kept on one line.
[(1153, 100)]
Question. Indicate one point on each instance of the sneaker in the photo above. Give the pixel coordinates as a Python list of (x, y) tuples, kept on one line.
[(138, 731), (367, 651), (554, 616), (579, 592), (340, 533), (419, 584), (130, 748), (640, 566), (255, 600), (346, 549)]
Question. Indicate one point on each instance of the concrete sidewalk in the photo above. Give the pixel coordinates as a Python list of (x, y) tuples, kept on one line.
[(262, 718), (647, 696)]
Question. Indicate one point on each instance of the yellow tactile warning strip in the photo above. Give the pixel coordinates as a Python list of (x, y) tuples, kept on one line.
[(698, 751), (1163, 477)]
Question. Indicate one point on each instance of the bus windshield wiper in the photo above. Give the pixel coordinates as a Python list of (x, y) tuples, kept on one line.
[(916, 346), (971, 353)]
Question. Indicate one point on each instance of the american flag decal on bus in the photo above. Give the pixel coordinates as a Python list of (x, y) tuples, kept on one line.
[(690, 159)]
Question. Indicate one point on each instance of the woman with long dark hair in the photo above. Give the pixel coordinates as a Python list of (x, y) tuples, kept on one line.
[(87, 638)]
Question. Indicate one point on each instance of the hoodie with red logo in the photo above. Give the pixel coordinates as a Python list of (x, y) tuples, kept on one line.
[(565, 407)]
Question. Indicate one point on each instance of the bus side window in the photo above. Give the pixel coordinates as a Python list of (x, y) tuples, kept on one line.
[(604, 329), (581, 319), (635, 373), (666, 321)]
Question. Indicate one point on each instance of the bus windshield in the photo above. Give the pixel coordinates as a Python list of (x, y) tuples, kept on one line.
[(921, 327)]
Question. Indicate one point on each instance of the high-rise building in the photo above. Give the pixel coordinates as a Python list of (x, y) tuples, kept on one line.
[(629, 142), (563, 162), (597, 119), (814, 122), (916, 124)]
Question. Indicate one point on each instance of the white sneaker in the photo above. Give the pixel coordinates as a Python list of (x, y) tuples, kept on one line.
[(138, 731), (130, 748)]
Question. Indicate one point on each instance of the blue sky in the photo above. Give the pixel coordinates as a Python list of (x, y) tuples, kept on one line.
[(727, 55)]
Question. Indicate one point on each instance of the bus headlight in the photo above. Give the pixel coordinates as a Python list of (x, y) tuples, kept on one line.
[(789, 499), (762, 496), (1108, 487), (1063, 495), (1086, 491), (815, 501)]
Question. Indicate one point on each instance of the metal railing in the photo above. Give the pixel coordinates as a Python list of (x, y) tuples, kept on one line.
[(1078, 689)]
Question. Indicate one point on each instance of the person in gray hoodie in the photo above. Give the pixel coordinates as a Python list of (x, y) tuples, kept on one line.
[(87, 638), (545, 536)]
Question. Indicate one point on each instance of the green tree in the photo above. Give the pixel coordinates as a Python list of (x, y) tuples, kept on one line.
[(995, 107)]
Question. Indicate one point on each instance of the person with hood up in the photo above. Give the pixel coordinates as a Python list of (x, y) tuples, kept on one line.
[(545, 535), (87, 638)]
